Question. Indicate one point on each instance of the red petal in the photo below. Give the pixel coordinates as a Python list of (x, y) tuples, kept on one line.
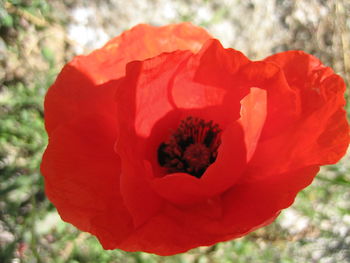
[(74, 90), (245, 208), (136, 94), (319, 132), (253, 117), (72, 94), (81, 173), (249, 205), (139, 198), (140, 43), (214, 64), (282, 103)]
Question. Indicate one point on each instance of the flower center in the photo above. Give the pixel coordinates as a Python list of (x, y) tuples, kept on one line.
[(191, 148)]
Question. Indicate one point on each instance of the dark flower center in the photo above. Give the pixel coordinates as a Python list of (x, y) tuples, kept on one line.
[(191, 148)]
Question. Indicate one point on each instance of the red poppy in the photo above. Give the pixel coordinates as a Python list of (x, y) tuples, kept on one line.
[(162, 140)]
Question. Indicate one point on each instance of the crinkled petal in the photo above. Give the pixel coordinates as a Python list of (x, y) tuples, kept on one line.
[(282, 102), (319, 133)]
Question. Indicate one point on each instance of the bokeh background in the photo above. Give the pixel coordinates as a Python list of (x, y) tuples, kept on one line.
[(37, 37)]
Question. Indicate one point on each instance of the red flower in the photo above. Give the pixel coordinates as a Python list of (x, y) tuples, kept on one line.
[(163, 140)]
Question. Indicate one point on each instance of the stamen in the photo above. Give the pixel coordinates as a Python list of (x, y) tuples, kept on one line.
[(191, 148)]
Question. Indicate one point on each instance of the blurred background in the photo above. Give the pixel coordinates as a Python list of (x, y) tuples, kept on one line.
[(37, 37)]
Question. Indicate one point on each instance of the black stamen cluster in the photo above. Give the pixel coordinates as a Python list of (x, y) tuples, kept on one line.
[(191, 148)]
